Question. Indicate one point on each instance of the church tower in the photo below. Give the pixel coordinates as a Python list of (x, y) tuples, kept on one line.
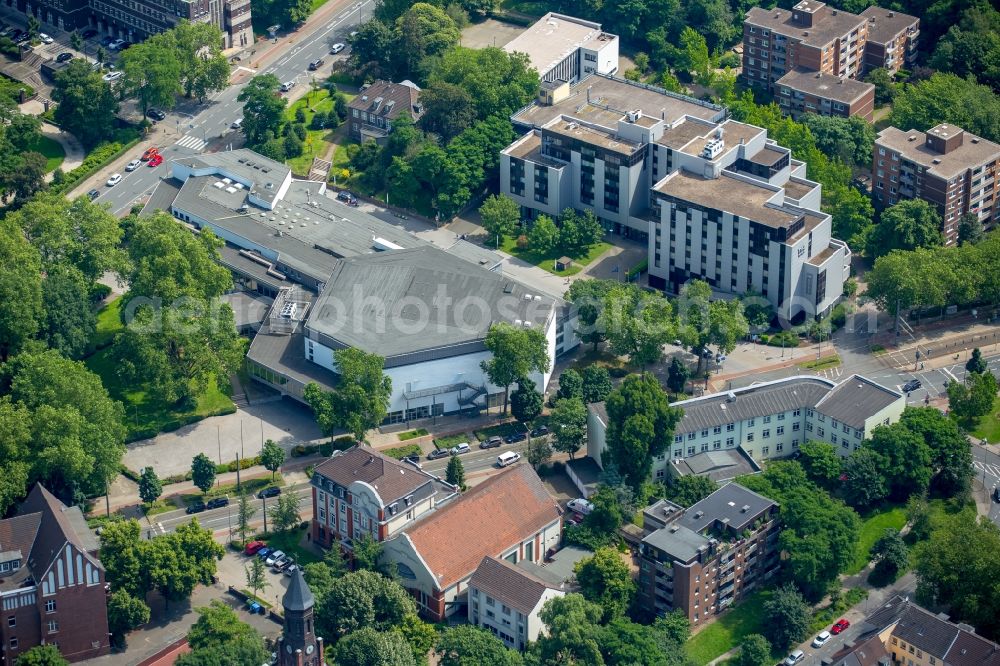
[(299, 645)]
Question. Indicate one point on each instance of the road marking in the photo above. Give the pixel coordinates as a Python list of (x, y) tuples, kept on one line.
[(192, 142)]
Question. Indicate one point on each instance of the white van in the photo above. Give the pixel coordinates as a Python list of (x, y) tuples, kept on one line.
[(507, 458)]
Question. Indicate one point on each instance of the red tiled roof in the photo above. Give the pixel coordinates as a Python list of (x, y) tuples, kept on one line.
[(495, 515)]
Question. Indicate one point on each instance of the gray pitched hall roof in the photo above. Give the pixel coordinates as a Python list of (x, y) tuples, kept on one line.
[(855, 399)]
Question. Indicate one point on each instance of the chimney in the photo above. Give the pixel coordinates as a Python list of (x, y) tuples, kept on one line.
[(588, 93)]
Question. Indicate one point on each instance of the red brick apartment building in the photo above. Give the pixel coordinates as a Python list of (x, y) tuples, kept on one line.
[(804, 91), (948, 167), (51, 582)]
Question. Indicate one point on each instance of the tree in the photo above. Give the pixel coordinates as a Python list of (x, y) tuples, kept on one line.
[(755, 650), (285, 512), (419, 635), (970, 229), (849, 140), (256, 576), (787, 617), (449, 110), (499, 83), (622, 641), (500, 215), (678, 374), (641, 426), (543, 235), (578, 232), (244, 512), (918, 517), (588, 296), (121, 551), (272, 456), (972, 47), (694, 55), (570, 384), (885, 85), (126, 612), (220, 633), (27, 177), (907, 459), (466, 645), (596, 383), (821, 462), (704, 321), (974, 398), (368, 647), (175, 563), (420, 36), (70, 322), (537, 451), (688, 490), (203, 472), (515, 353), (526, 401), (571, 623), (262, 110), (204, 68), (569, 425), (605, 579), (360, 401), (866, 484), (21, 308), (367, 552), (456, 472), (890, 555), (907, 225), (42, 655), (363, 599), (87, 107), (151, 71), (150, 487), (946, 98), (637, 324), (976, 363), (951, 453)]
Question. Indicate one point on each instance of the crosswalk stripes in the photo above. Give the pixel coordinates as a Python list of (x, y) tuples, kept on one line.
[(192, 142)]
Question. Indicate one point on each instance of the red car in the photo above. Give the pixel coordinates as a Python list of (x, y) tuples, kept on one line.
[(840, 626), (156, 160), (252, 547), (146, 156)]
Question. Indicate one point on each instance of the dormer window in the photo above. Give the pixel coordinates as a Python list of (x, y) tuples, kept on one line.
[(408, 500), (393, 508)]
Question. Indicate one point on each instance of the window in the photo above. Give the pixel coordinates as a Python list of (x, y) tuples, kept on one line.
[(795, 443), (11, 621), (729, 442), (767, 419), (846, 428), (716, 430), (505, 609), (833, 438), (13, 644), (678, 453), (822, 418), (781, 430), (781, 416), (809, 412), (819, 431), (717, 444), (809, 427), (730, 427), (766, 450), (704, 433), (750, 437), (50, 606), (780, 447), (678, 438), (749, 423), (692, 435), (766, 434), (690, 450), (797, 412), (53, 626)]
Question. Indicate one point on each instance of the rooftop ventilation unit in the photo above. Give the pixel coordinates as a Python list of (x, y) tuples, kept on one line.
[(633, 116), (231, 189), (744, 508), (218, 184), (227, 181), (288, 310), (713, 149), (238, 186)]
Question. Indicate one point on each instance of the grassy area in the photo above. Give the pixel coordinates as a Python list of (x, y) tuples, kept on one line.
[(502, 429), (821, 364), (411, 434), (250, 487), (158, 507), (825, 617), (108, 323), (547, 261), (289, 542), (317, 141), (452, 440), (878, 350), (727, 632), (872, 527), (51, 149), (401, 452), (989, 425)]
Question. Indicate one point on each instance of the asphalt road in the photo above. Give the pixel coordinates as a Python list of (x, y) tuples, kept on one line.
[(193, 132), (987, 465)]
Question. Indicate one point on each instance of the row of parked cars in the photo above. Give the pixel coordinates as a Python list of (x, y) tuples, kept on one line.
[(278, 560), (821, 639)]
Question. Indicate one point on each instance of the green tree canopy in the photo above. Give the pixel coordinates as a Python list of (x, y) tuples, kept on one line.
[(687, 490), (596, 383), (362, 599), (951, 452), (570, 384), (908, 461), (605, 579), (910, 224), (526, 402), (455, 474), (360, 401), (640, 427), (516, 353), (755, 650), (787, 617), (466, 645), (569, 425), (947, 98), (220, 637), (87, 107), (272, 456), (42, 655), (369, 647), (21, 308), (263, 110), (152, 71), (126, 612), (500, 215), (821, 462), (637, 324), (865, 483), (150, 487)]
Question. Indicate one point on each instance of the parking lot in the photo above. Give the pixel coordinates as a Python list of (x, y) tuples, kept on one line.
[(232, 573)]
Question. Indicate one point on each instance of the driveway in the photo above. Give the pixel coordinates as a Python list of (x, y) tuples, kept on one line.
[(221, 437)]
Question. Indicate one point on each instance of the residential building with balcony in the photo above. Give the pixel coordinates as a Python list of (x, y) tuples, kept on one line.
[(564, 48), (506, 599), (703, 559), (360, 491), (52, 586), (892, 39), (510, 517), (952, 169), (370, 115), (769, 420), (804, 91)]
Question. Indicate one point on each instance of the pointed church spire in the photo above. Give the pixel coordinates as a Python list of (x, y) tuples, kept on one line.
[(298, 597)]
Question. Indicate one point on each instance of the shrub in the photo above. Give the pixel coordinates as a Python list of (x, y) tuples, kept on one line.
[(99, 292), (522, 242), (617, 373), (401, 452), (300, 115), (98, 158), (343, 443), (782, 339), (838, 317), (129, 473)]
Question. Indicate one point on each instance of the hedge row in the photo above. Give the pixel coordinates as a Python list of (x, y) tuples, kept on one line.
[(98, 158), (176, 424), (324, 449), (401, 452)]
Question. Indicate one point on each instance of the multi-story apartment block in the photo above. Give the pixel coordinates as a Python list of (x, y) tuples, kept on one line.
[(703, 559), (805, 91), (505, 599), (52, 587), (564, 48), (730, 192), (769, 420), (948, 167), (373, 111), (360, 491), (892, 39)]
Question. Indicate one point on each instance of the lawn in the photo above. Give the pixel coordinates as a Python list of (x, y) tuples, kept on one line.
[(728, 631), (502, 430), (289, 542), (250, 487), (51, 149), (108, 323), (821, 364), (547, 261), (317, 141), (411, 434), (452, 440), (872, 527), (989, 425)]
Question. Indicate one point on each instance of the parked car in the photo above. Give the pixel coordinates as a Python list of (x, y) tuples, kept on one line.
[(336, 48), (112, 76), (218, 503), (197, 507), (264, 552), (65, 56), (491, 443), (149, 152), (287, 85), (316, 64), (45, 39), (272, 491), (280, 562), (236, 124), (412, 460), (252, 547), (93, 194), (912, 385), (794, 658), (438, 453), (839, 626), (273, 557), (459, 449), (155, 161), (116, 44), (114, 179), (291, 569), (88, 33), (133, 165), (580, 505), (821, 639), (540, 431), (156, 114), (516, 437), (347, 198)]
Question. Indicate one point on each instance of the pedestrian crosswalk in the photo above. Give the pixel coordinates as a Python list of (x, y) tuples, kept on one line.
[(192, 142)]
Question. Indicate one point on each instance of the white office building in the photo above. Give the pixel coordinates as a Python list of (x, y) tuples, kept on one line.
[(564, 48)]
